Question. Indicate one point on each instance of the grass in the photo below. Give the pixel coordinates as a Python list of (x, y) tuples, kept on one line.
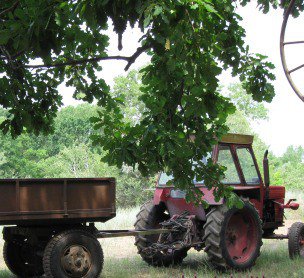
[(122, 260)]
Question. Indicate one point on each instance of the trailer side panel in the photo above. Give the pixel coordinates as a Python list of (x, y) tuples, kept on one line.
[(41, 201)]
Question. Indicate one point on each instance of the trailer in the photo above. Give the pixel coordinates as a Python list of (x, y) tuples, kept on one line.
[(49, 225)]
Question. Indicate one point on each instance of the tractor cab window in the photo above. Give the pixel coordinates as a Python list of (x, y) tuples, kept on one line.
[(164, 178), (247, 164), (225, 159)]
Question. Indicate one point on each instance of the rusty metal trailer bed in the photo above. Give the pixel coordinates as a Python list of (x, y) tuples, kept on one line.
[(43, 201)]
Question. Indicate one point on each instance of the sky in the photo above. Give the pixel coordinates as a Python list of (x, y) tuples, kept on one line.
[(286, 112)]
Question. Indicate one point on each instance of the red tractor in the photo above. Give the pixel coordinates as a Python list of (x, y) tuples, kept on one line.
[(231, 237)]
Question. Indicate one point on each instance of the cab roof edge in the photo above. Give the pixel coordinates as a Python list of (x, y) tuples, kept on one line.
[(234, 138)]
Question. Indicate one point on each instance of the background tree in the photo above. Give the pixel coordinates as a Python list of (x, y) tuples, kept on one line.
[(127, 91), (287, 169)]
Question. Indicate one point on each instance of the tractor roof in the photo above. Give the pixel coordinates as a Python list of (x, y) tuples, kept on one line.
[(234, 138)]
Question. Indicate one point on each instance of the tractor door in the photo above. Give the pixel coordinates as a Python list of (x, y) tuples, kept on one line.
[(248, 166), (242, 172)]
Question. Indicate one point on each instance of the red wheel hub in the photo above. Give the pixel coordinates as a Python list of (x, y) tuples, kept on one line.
[(241, 236)]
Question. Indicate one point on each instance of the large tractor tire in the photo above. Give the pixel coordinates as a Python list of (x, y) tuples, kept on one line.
[(296, 240), (150, 217), (22, 260), (73, 253), (233, 237)]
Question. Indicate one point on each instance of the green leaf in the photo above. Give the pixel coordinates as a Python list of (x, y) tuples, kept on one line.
[(147, 21), (5, 35), (158, 10), (20, 14), (181, 135), (209, 8), (63, 4)]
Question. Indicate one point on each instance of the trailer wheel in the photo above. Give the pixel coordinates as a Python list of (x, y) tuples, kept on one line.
[(296, 240), (73, 253), (233, 237), (22, 260), (149, 217)]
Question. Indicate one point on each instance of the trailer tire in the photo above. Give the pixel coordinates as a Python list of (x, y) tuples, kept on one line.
[(73, 253), (296, 240), (149, 217), (21, 261), (233, 237)]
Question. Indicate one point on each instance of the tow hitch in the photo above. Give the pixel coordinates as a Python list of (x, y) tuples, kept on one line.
[(182, 234)]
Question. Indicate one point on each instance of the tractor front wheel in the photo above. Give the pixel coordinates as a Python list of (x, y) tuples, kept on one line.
[(233, 237), (150, 217)]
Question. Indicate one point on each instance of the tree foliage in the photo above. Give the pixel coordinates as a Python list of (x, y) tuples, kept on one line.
[(127, 90), (265, 5), (245, 104), (288, 169), (190, 43)]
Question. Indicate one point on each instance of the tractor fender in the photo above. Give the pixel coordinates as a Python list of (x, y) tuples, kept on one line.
[(177, 205), (161, 195)]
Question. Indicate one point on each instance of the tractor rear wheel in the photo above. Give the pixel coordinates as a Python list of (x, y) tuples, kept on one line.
[(150, 217), (233, 237), (296, 240)]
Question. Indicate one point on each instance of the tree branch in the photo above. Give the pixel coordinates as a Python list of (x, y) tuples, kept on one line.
[(77, 62), (137, 53), (12, 8), (130, 60)]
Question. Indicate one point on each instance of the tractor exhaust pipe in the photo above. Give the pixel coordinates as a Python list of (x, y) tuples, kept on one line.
[(266, 174)]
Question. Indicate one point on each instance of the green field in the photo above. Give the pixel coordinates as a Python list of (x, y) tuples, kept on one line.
[(122, 260)]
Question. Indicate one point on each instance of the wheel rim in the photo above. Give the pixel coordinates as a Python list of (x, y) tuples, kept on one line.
[(283, 43), (76, 261), (241, 236)]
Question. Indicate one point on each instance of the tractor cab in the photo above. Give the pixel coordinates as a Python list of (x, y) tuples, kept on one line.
[(235, 152)]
